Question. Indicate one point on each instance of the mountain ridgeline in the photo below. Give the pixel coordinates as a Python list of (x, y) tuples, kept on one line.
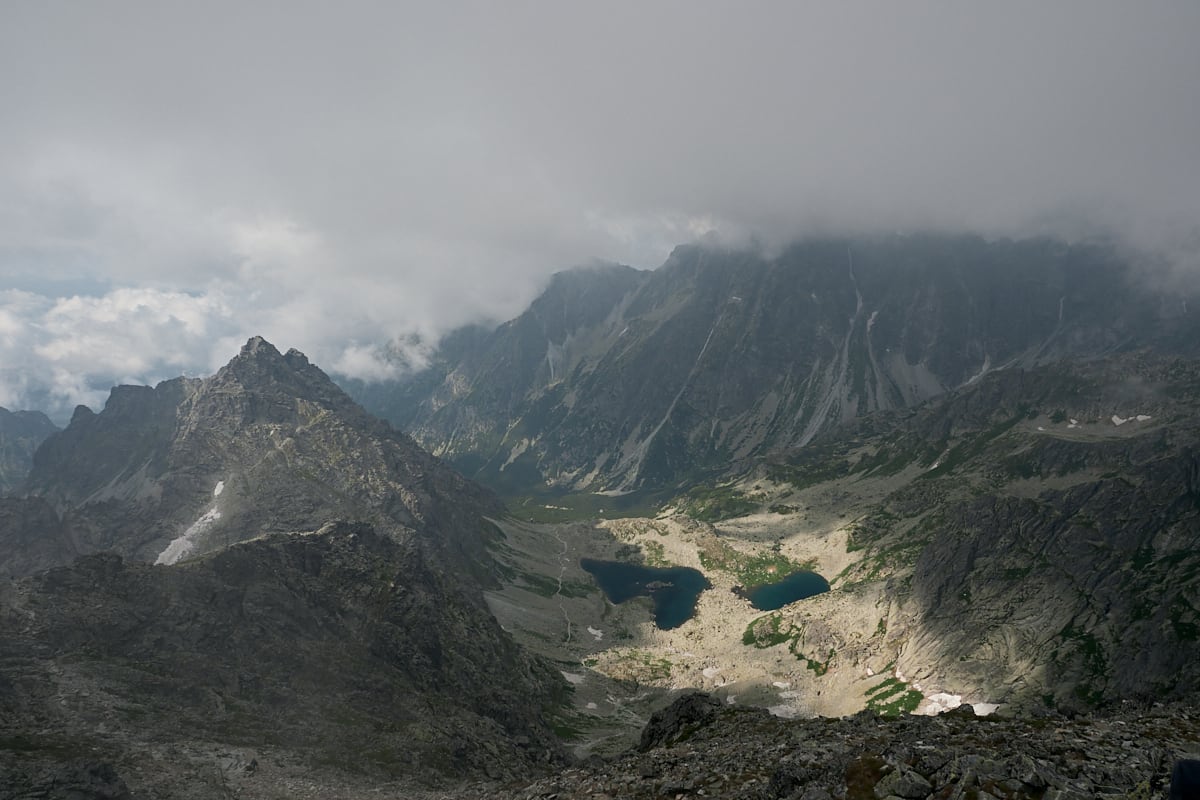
[(267, 444), (252, 559), (616, 379)]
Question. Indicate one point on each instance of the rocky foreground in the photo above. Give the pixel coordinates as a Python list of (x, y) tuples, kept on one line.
[(699, 748)]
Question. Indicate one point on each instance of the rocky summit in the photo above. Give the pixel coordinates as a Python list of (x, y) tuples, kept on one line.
[(250, 569), (267, 444)]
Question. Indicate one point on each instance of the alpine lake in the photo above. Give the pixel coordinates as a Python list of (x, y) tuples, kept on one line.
[(675, 590)]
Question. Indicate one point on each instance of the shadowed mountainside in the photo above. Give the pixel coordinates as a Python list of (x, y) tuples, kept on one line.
[(616, 379), (20, 434)]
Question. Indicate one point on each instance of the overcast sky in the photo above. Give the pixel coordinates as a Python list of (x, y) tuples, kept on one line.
[(177, 176)]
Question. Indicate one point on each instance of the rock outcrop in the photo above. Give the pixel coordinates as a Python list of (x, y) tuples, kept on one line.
[(746, 754)]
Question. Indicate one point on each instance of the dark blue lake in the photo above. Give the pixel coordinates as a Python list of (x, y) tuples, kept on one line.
[(674, 590), (796, 586)]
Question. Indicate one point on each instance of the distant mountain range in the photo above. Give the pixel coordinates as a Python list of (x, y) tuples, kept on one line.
[(617, 380)]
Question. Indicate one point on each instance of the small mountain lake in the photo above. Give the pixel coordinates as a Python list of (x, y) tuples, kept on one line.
[(674, 590), (796, 586)]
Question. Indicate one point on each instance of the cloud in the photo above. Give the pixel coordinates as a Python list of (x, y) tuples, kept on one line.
[(341, 177)]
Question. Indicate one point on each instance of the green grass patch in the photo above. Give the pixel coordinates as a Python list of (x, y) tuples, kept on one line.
[(654, 555), (643, 666), (891, 697), (715, 503), (750, 571), (765, 632), (769, 631)]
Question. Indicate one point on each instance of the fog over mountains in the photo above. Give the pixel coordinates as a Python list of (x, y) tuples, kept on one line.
[(618, 380), (358, 182)]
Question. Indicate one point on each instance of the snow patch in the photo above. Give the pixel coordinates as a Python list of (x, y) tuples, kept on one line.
[(596, 632), (781, 685), (592, 706), (1119, 421), (983, 370), (937, 703), (516, 452), (182, 545), (220, 487), (1143, 417), (573, 678), (938, 463), (1040, 428), (984, 709)]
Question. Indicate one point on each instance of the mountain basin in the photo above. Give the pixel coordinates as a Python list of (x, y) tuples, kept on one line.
[(674, 590), (795, 586)]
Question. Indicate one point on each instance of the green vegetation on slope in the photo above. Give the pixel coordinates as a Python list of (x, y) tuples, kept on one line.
[(770, 631), (750, 571), (715, 503)]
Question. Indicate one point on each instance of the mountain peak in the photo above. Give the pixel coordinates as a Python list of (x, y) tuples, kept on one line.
[(261, 370), (257, 347)]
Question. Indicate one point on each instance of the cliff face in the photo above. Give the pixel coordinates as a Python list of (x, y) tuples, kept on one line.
[(624, 380), (20, 434)]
